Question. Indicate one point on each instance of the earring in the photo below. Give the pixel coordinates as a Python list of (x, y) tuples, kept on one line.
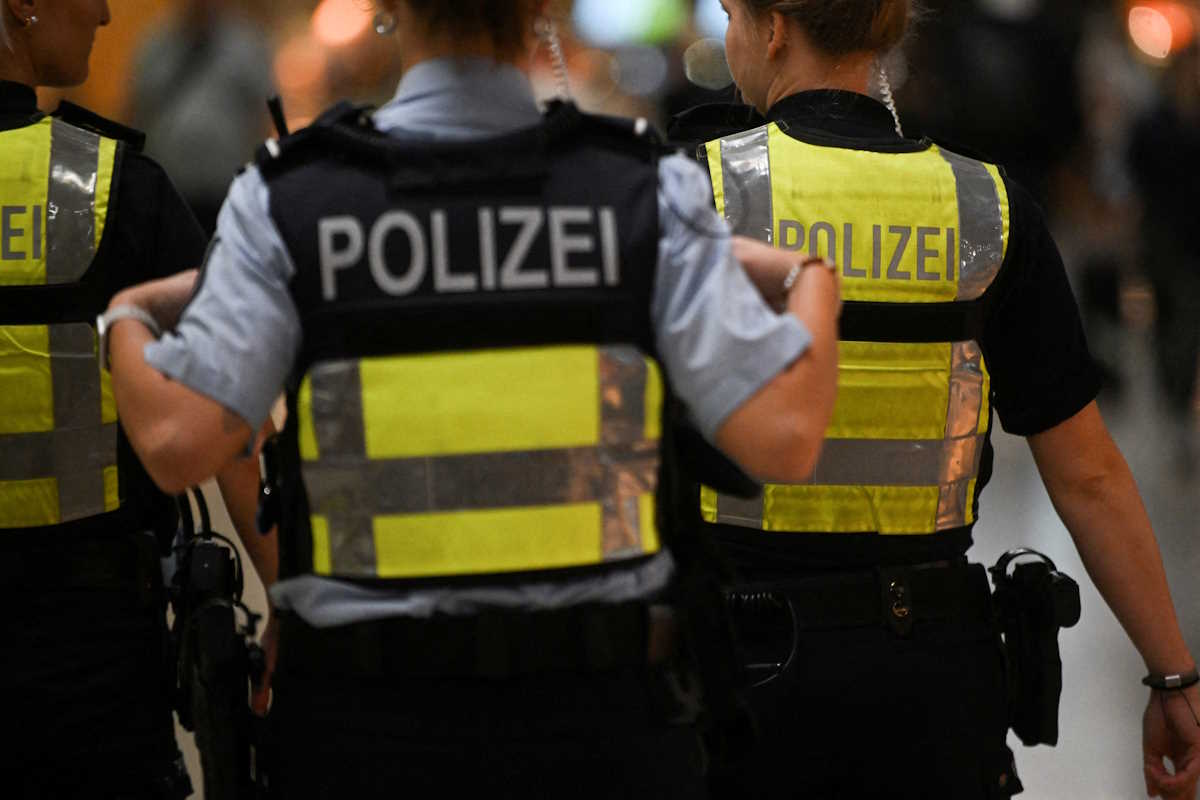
[(384, 23), (29, 23)]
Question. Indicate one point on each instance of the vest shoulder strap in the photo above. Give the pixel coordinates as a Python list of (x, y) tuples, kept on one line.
[(81, 117)]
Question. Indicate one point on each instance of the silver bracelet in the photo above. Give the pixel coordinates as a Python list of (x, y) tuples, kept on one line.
[(799, 266), (105, 321)]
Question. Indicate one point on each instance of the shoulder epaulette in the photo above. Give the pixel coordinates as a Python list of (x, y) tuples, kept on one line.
[(81, 117), (345, 117)]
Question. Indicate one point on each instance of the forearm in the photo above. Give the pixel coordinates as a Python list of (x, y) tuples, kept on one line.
[(815, 302), (239, 487), (1095, 494), (181, 437)]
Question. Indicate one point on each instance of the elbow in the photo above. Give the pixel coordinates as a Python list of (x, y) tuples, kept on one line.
[(168, 458), (788, 456)]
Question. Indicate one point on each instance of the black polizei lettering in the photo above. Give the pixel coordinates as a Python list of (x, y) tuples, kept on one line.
[(925, 253), (37, 233), (876, 251), (9, 232), (791, 235), (814, 240), (848, 269), (905, 234), (511, 277), (951, 254)]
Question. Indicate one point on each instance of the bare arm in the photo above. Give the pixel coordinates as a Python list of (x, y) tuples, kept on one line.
[(182, 437), (1095, 494), (777, 433), (239, 488)]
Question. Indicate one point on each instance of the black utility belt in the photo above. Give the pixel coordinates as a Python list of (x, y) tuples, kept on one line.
[(589, 638), (121, 562), (892, 596)]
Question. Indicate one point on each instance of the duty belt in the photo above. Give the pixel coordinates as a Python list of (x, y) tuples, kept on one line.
[(588, 639), (124, 562), (891, 596)]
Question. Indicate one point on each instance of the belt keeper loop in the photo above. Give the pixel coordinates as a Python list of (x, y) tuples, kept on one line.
[(896, 600)]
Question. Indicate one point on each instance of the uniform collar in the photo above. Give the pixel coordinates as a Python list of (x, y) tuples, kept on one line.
[(460, 98), (837, 112), (18, 104)]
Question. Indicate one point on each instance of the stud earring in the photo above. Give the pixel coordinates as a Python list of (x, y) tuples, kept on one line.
[(29, 23), (384, 23)]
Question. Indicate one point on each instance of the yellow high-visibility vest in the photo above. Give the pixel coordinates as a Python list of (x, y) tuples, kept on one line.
[(58, 422), (480, 462), (915, 228)]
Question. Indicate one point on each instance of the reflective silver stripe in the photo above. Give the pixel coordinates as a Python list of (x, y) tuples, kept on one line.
[(53, 454), (980, 226), (743, 513), (348, 500), (965, 405), (349, 490), (950, 463), (71, 203), (75, 374), (746, 180)]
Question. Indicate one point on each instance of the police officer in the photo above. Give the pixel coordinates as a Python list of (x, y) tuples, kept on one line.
[(871, 639), (82, 215), (477, 313)]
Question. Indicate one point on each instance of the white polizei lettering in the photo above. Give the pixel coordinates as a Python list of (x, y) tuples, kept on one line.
[(511, 276), (487, 247), (443, 279), (610, 252), (418, 261), (333, 258), (562, 245)]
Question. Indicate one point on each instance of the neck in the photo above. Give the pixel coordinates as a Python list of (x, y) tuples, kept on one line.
[(417, 49), (16, 65), (805, 70)]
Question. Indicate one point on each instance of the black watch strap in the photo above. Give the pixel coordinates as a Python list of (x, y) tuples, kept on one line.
[(1171, 683)]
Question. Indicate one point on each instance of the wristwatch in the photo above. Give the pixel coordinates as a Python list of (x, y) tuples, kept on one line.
[(105, 321), (1170, 683)]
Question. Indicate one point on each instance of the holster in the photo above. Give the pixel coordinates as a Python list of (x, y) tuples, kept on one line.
[(1033, 602)]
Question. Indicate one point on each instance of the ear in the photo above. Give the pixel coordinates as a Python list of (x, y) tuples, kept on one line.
[(777, 35)]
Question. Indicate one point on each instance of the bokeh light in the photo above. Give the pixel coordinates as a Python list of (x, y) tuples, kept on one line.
[(339, 22), (1160, 29)]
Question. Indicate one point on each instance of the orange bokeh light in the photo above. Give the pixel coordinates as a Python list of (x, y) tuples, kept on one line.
[(1159, 29), (339, 22)]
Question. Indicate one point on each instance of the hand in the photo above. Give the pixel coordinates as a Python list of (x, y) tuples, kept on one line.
[(163, 299), (768, 268), (260, 692), (1169, 730)]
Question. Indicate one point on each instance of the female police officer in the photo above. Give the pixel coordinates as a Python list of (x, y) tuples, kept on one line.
[(956, 302), (82, 215), (468, 305)]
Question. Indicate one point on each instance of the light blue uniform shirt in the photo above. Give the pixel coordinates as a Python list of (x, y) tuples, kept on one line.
[(238, 339)]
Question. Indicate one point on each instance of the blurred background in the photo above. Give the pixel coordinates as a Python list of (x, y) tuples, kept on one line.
[(1092, 105)]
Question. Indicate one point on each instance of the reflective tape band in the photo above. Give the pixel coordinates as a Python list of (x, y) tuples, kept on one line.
[(881, 468), (350, 492), (746, 179), (53, 454), (980, 225), (75, 374), (71, 203)]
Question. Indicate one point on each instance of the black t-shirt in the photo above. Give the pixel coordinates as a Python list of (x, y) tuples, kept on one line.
[(149, 233), (1033, 341)]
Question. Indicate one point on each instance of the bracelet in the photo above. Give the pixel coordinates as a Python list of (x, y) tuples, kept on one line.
[(1171, 683), (105, 321), (799, 266)]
